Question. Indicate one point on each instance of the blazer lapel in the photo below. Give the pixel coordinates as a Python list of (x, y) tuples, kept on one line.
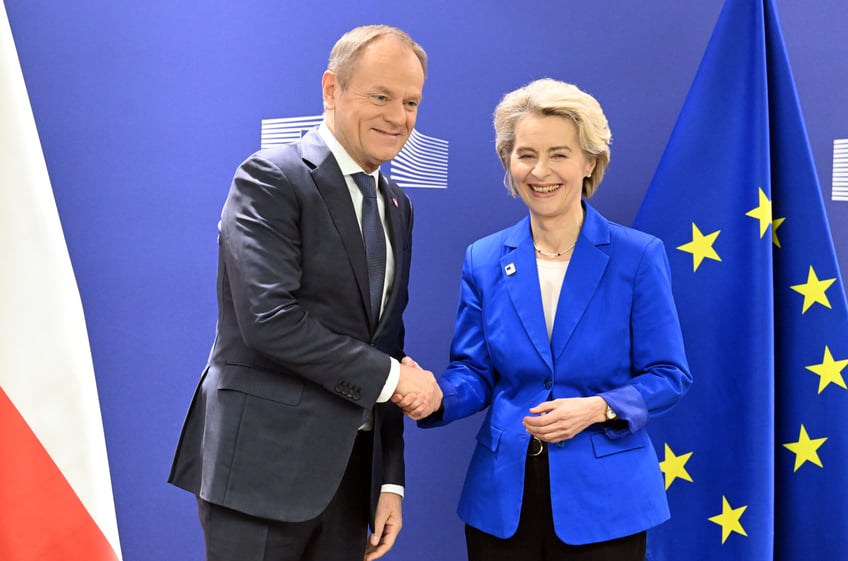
[(331, 184), (588, 263), (521, 278)]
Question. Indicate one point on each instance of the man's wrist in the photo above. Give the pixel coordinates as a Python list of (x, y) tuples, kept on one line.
[(391, 382), (390, 488)]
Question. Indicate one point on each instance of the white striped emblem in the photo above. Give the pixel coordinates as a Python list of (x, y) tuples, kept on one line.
[(421, 163), (840, 170)]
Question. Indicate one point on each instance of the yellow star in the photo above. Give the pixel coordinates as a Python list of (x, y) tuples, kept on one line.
[(829, 370), (675, 466), (806, 449), (700, 247), (729, 519), (777, 223), (762, 213), (814, 290)]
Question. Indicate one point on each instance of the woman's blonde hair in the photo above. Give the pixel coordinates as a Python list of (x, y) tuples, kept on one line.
[(549, 97)]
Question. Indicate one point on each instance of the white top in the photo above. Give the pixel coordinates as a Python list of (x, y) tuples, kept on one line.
[(551, 275)]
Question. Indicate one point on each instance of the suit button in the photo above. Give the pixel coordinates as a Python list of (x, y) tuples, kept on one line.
[(548, 383)]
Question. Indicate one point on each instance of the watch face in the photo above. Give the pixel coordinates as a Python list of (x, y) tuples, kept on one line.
[(610, 413)]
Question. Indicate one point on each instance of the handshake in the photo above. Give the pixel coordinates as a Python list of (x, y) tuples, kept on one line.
[(417, 393)]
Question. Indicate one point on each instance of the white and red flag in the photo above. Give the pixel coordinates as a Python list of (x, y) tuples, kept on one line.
[(55, 489)]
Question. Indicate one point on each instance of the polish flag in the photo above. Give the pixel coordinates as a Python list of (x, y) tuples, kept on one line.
[(55, 490)]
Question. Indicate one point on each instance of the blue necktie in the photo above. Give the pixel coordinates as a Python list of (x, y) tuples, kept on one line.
[(375, 241)]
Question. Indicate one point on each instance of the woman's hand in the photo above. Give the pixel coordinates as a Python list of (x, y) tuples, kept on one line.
[(563, 419)]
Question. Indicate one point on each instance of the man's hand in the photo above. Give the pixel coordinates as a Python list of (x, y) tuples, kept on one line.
[(387, 525), (417, 392)]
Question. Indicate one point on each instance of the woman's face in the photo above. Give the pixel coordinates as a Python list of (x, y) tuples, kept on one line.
[(547, 165)]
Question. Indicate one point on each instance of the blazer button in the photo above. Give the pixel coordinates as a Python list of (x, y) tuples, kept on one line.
[(548, 383)]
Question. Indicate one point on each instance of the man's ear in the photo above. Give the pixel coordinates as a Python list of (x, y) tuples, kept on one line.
[(328, 89)]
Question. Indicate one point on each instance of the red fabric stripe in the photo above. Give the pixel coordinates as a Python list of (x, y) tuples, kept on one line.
[(41, 518)]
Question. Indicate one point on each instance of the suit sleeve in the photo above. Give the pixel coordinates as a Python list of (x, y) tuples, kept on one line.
[(261, 249)]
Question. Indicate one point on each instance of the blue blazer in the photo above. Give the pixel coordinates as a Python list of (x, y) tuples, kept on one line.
[(616, 334)]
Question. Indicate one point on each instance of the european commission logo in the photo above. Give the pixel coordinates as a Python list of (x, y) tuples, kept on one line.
[(840, 170), (422, 163)]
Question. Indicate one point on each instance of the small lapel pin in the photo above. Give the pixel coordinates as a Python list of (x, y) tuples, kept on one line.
[(394, 200), (510, 269)]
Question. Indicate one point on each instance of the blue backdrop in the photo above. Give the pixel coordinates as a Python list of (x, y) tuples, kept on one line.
[(145, 109)]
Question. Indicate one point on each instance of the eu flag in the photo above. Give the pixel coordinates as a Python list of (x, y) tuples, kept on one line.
[(756, 457)]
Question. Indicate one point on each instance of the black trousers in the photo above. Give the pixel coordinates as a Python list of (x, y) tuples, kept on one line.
[(535, 539), (338, 534)]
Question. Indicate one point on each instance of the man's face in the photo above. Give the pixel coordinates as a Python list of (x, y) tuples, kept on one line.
[(375, 114)]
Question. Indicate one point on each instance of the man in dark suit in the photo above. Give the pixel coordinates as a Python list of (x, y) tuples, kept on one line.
[(291, 443)]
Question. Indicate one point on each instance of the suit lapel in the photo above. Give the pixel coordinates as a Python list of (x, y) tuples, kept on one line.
[(588, 264), (396, 239), (331, 184), (521, 277)]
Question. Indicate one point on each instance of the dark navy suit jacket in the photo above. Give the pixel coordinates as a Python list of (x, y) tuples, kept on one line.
[(295, 362)]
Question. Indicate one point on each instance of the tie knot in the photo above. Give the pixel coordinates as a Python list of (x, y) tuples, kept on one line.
[(366, 184)]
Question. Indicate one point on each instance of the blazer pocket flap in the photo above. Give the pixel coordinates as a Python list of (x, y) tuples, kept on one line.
[(274, 386), (604, 445), (489, 436)]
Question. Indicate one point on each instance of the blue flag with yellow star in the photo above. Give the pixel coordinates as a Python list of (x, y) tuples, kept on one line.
[(755, 458)]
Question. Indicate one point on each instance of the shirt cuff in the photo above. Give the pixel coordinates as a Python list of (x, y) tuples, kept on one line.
[(391, 384), (396, 489)]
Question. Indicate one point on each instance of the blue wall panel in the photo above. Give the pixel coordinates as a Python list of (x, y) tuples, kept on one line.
[(145, 109)]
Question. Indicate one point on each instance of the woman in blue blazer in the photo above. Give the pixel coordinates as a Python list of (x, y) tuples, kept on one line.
[(568, 333)]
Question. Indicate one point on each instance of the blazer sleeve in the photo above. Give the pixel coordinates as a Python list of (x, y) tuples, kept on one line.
[(661, 371), (468, 382)]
